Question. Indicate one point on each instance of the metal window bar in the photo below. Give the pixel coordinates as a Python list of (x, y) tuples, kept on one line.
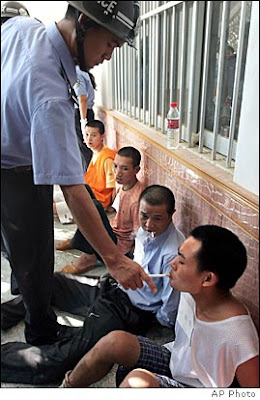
[(139, 78), (114, 88), (164, 71), (223, 39), (126, 79), (182, 63), (144, 71), (192, 71), (236, 82), (205, 74), (156, 72), (118, 80), (152, 71), (133, 104), (129, 81), (172, 51), (150, 75), (121, 82), (116, 83)]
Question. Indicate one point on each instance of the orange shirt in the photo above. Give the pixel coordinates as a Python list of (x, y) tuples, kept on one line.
[(100, 178)]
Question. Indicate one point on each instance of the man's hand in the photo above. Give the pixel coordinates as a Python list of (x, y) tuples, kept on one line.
[(129, 274)]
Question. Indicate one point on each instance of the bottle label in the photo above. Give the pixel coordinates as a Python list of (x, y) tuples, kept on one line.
[(173, 123)]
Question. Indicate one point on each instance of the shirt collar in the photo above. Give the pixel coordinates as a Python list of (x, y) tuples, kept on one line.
[(62, 51)]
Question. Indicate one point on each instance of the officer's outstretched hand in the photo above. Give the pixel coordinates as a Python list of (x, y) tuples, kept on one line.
[(130, 274)]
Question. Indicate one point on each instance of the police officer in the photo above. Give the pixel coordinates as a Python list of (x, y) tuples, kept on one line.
[(39, 147)]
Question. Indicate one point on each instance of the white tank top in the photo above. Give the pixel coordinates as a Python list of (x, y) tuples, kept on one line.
[(207, 354)]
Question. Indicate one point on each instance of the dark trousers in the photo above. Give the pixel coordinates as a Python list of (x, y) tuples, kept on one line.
[(28, 235), (79, 242), (14, 285), (105, 308)]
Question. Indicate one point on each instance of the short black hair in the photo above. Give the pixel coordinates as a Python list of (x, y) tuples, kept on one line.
[(157, 195), (132, 153), (221, 252), (95, 123)]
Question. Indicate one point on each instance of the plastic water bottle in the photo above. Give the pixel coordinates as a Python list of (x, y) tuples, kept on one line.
[(173, 133)]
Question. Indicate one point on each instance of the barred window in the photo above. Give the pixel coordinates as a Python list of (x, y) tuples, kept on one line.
[(194, 53)]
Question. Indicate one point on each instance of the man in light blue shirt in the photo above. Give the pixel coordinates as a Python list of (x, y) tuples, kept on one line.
[(39, 147), (105, 304), (154, 253)]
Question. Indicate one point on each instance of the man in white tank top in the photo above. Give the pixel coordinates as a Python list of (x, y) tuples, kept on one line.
[(216, 342)]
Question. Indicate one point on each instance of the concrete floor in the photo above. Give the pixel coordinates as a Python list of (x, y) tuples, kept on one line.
[(62, 232)]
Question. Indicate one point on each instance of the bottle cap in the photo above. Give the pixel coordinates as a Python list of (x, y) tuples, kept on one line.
[(173, 104)]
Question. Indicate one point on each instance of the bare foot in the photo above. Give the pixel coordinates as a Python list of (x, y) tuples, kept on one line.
[(64, 245), (84, 263), (85, 260)]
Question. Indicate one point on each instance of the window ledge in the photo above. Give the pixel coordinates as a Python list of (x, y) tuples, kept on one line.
[(211, 170)]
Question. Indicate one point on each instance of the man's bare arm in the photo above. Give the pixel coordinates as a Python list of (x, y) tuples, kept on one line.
[(83, 106)]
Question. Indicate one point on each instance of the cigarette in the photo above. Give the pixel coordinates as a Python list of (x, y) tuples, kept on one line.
[(158, 275)]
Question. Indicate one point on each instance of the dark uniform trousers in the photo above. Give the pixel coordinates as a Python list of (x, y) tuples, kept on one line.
[(105, 307), (28, 235)]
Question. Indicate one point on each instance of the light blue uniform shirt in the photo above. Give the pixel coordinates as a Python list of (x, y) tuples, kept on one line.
[(84, 87), (37, 114), (154, 255)]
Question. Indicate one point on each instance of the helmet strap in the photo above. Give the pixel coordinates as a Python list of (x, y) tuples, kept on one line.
[(80, 32)]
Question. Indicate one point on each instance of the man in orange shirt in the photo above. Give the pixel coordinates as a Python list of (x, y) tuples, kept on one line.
[(126, 204), (99, 175)]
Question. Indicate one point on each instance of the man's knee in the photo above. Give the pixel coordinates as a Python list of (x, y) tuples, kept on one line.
[(114, 341), (120, 347), (140, 378)]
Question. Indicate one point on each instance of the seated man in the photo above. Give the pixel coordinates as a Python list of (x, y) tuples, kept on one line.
[(105, 305), (126, 222), (99, 175), (216, 340)]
